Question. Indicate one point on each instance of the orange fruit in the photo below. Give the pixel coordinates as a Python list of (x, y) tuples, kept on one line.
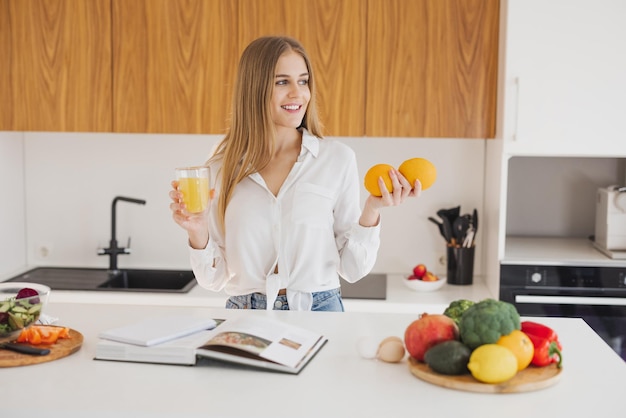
[(521, 346), (419, 168), (372, 175)]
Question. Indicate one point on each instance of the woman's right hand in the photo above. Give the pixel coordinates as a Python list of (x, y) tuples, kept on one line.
[(196, 224)]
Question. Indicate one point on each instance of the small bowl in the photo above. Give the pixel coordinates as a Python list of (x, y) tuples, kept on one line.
[(424, 286), (18, 314)]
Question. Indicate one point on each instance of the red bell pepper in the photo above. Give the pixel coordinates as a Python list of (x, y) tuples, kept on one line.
[(546, 343)]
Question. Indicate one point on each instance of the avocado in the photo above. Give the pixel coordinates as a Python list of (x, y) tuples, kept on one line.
[(449, 357)]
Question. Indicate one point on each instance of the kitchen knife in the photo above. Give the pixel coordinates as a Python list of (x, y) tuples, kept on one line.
[(25, 349)]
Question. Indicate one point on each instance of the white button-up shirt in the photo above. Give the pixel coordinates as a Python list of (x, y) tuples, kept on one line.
[(310, 230)]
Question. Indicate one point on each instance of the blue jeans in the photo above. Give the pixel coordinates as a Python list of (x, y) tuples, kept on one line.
[(328, 300)]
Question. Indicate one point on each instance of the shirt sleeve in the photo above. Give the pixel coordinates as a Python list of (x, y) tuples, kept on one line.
[(209, 264), (357, 245)]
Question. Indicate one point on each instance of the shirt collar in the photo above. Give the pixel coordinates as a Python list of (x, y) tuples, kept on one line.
[(310, 143)]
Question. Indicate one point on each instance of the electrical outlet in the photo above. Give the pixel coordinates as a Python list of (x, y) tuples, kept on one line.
[(442, 260)]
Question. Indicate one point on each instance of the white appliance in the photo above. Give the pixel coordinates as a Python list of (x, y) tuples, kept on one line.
[(610, 232)]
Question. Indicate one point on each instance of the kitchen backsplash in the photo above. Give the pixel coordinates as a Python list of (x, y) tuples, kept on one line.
[(58, 189)]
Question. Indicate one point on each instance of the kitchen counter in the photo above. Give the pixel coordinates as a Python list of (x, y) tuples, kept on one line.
[(551, 251), (338, 382), (400, 299)]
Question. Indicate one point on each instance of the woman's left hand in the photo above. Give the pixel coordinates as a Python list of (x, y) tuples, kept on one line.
[(401, 190)]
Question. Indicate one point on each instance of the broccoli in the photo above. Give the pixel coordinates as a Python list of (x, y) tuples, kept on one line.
[(486, 321), (456, 309)]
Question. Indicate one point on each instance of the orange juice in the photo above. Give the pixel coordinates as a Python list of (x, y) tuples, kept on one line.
[(195, 192), (194, 183)]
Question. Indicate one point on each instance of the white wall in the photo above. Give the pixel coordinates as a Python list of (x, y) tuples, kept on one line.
[(71, 179), (551, 196), (12, 204)]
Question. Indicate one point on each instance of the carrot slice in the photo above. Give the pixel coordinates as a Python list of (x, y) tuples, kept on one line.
[(43, 334), (34, 337), (23, 337)]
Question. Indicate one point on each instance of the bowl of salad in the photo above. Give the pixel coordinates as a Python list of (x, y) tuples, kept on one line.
[(21, 304)]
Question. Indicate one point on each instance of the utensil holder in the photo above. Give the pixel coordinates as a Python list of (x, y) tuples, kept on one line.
[(460, 265)]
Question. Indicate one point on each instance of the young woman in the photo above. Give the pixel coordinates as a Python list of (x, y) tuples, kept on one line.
[(285, 222)]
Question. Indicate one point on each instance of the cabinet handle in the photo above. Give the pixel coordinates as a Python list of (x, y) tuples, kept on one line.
[(570, 300), (517, 92)]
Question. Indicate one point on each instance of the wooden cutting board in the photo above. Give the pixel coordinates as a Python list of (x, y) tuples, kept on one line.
[(530, 379), (62, 348)]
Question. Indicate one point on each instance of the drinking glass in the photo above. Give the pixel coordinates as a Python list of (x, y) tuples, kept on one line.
[(195, 185)]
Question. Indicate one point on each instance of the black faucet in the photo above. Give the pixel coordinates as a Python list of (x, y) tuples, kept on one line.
[(113, 249)]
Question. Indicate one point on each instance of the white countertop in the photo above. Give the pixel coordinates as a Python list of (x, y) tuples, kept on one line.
[(551, 251), (400, 299), (337, 383)]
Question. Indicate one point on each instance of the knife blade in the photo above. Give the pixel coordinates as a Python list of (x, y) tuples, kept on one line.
[(25, 349)]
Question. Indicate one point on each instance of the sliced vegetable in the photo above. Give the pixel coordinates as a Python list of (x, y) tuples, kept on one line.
[(546, 343), (19, 311), (43, 334)]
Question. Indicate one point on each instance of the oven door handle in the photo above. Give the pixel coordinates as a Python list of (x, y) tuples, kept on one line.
[(571, 300)]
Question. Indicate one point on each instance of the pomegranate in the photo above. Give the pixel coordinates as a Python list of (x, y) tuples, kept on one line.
[(427, 331)]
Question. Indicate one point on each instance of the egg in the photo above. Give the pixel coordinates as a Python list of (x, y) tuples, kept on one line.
[(391, 350), (367, 347)]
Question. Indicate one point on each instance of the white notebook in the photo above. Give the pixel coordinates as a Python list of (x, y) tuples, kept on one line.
[(158, 330)]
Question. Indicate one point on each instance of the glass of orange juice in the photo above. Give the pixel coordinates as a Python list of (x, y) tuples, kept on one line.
[(195, 185)]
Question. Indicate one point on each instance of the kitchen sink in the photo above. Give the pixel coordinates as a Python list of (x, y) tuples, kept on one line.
[(372, 286), (125, 280)]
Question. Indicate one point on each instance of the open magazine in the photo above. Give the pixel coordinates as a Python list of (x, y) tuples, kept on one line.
[(248, 340)]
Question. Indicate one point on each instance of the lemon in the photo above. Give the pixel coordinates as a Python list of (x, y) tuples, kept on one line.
[(492, 363)]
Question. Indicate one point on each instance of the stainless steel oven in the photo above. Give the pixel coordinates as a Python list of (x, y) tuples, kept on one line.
[(596, 294)]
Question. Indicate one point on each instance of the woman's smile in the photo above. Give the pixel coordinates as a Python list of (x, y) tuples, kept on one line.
[(291, 93)]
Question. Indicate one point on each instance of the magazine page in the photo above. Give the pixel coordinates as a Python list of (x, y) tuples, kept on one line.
[(266, 338)]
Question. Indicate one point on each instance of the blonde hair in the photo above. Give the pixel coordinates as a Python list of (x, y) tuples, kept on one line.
[(249, 143)]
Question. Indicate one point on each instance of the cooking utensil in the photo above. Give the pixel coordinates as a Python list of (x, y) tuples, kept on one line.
[(460, 227), (448, 216), (62, 348), (469, 238), (475, 220), (25, 349), (439, 225), (448, 233)]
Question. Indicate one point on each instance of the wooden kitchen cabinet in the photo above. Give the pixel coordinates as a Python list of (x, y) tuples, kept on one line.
[(56, 59), (334, 35), (174, 65), (6, 87), (414, 68), (432, 68)]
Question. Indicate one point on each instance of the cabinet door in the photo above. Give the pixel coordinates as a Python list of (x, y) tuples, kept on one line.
[(333, 33), (172, 72), (6, 86), (565, 80), (57, 68), (432, 68)]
